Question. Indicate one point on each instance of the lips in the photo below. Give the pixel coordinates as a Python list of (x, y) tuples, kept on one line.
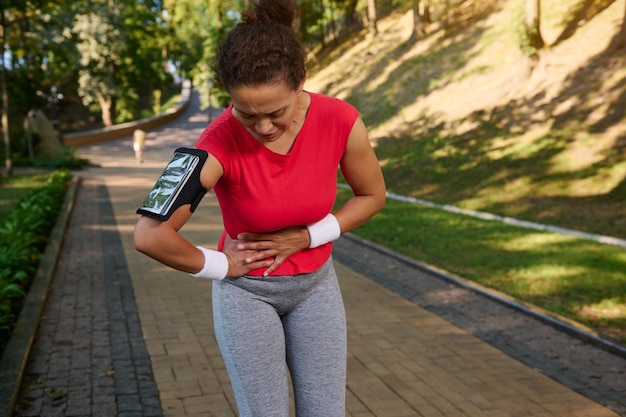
[(271, 136)]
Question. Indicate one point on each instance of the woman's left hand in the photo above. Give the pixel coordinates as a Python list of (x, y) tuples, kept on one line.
[(278, 245)]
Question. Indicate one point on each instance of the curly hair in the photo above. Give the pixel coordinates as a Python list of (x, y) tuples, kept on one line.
[(262, 49)]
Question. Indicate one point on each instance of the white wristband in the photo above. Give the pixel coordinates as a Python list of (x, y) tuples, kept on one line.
[(215, 265), (324, 231)]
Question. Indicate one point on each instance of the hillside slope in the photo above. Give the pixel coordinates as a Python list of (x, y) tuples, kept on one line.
[(456, 119)]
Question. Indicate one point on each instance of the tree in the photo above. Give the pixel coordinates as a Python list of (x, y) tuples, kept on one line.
[(332, 20), (418, 26), (426, 19), (351, 15), (311, 28), (100, 44), (372, 18), (5, 98), (35, 57), (116, 54), (198, 27), (532, 41), (123, 49), (142, 72)]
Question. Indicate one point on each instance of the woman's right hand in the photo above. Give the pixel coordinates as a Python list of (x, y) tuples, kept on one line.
[(237, 259)]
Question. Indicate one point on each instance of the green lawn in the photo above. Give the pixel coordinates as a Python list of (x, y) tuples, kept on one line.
[(17, 186), (577, 278)]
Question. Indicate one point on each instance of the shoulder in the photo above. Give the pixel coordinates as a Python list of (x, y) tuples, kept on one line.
[(333, 110), (332, 104), (218, 139)]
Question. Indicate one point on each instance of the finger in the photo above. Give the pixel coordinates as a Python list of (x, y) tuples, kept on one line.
[(256, 245), (258, 265), (274, 265), (252, 237), (255, 256)]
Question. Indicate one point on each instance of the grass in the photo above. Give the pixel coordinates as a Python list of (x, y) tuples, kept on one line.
[(576, 278), (17, 186)]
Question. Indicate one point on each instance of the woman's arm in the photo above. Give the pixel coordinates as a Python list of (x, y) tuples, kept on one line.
[(361, 170), (161, 241)]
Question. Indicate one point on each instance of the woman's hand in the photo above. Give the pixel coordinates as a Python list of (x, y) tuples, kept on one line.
[(240, 260), (268, 249)]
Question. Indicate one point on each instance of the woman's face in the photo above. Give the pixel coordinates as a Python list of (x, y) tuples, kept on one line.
[(267, 111)]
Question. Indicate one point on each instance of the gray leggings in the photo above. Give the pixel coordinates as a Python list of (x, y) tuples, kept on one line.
[(264, 325)]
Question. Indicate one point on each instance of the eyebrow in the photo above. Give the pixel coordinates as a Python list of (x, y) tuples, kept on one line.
[(257, 115)]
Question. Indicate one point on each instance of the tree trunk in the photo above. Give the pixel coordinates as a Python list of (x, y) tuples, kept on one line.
[(532, 23), (112, 99), (619, 41), (4, 120), (418, 25), (322, 26), (351, 14), (332, 25), (371, 16), (8, 160), (105, 105), (426, 13)]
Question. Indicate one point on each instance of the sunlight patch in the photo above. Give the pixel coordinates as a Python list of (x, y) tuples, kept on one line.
[(536, 241), (609, 308)]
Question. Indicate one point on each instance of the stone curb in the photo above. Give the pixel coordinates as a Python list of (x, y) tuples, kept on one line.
[(15, 356)]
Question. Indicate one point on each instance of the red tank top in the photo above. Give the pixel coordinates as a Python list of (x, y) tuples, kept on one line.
[(262, 191)]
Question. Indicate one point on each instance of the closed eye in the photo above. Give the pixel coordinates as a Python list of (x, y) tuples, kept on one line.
[(273, 115), (276, 114)]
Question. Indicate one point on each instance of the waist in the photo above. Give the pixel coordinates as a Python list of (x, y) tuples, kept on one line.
[(303, 262)]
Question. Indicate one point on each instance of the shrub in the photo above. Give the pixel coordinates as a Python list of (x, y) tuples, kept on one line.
[(23, 237)]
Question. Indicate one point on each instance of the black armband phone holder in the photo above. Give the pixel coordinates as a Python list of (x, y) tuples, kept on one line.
[(178, 185)]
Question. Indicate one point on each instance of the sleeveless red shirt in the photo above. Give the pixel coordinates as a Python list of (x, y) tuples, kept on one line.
[(262, 191)]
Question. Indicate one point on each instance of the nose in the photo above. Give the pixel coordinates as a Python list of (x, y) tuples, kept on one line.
[(264, 126)]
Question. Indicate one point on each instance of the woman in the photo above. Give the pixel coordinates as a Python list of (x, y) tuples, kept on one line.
[(272, 163)]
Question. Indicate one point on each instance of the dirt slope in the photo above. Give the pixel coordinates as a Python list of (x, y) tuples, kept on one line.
[(457, 118)]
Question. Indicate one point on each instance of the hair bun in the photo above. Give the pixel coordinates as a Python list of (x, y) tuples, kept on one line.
[(279, 11)]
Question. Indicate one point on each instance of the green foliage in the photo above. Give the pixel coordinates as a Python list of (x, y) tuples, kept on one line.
[(23, 235), (65, 159), (38, 49), (114, 55), (312, 28), (198, 27), (85, 47), (143, 65)]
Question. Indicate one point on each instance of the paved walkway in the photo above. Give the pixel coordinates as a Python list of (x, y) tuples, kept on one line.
[(122, 335)]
